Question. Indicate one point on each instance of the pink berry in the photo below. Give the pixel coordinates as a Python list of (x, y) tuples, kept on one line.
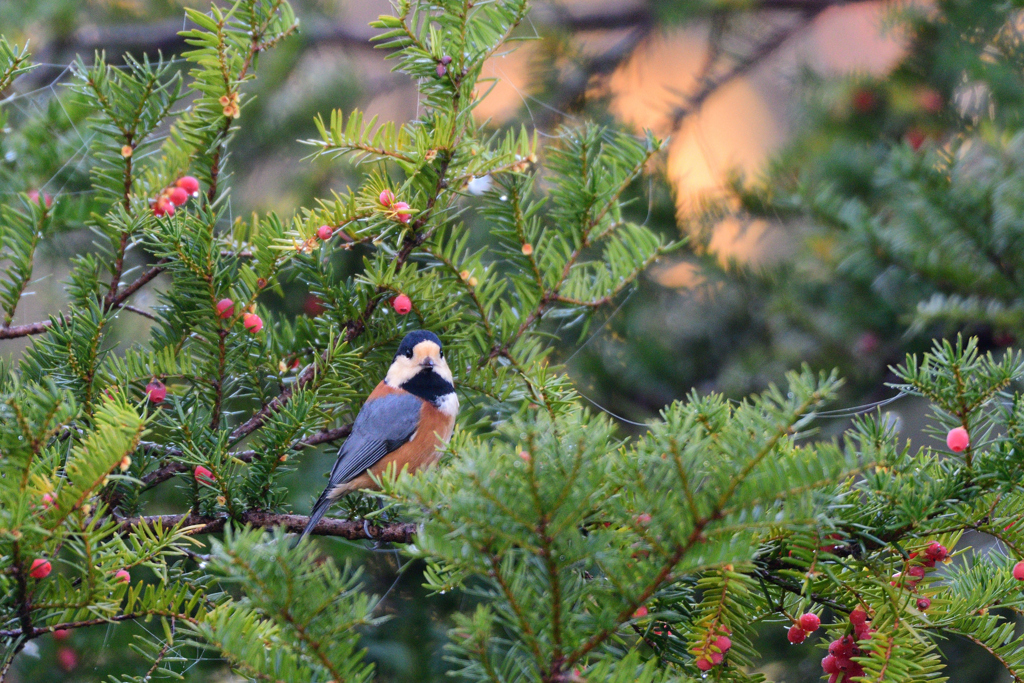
[(48, 499), (796, 634), (640, 612), (643, 518), (402, 212), (387, 198), (324, 232), (177, 195), (163, 207), (40, 568), (717, 657), (62, 634), (723, 643), (923, 604), (704, 664), (858, 617), (1018, 571), (916, 572), (402, 304), (829, 665), (203, 475), (225, 308), (47, 199), (252, 323), (188, 183), (525, 456), (936, 551), (958, 439), (123, 576), (441, 70), (156, 392), (809, 622), (67, 659)]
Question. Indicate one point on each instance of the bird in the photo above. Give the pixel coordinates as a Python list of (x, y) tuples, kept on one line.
[(405, 420)]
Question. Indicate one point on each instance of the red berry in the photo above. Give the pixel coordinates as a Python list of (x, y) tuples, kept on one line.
[(387, 198), (177, 195), (62, 634), (923, 604), (441, 70), (188, 183), (1018, 571), (796, 634), (40, 568), (48, 499), (402, 304), (862, 632), (643, 518), (717, 657), (858, 617), (864, 100), (936, 551), (641, 611), (916, 572), (324, 232), (203, 475), (930, 100), (156, 392), (225, 308), (704, 664), (252, 323), (809, 622), (67, 658), (958, 439), (163, 207), (829, 665), (834, 678), (723, 643), (916, 138), (123, 576)]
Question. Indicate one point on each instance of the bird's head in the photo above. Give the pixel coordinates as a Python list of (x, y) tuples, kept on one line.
[(419, 352)]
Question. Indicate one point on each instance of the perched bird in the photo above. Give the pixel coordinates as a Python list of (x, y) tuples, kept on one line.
[(404, 421)]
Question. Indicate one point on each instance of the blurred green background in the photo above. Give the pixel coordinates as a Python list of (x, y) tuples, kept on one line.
[(770, 107)]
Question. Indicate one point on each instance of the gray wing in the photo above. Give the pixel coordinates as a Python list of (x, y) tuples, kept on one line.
[(382, 426)]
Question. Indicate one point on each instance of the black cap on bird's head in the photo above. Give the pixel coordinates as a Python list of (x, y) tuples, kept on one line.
[(412, 339), (419, 366)]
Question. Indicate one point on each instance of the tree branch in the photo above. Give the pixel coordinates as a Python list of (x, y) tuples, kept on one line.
[(115, 302), (710, 85), (168, 470), (354, 530)]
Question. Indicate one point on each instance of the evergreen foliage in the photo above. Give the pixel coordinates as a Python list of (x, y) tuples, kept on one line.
[(587, 557)]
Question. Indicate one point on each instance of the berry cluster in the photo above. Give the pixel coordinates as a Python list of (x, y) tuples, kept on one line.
[(225, 308), (935, 552), (175, 195), (806, 624), (398, 211), (841, 651), (712, 650)]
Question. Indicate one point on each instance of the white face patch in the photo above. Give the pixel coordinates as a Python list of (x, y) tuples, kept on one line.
[(404, 368), (449, 404)]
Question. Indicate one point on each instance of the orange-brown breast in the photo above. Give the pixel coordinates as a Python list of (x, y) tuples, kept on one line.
[(422, 451)]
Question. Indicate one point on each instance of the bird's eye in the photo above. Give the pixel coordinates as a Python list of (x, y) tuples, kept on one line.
[(441, 354), (408, 354)]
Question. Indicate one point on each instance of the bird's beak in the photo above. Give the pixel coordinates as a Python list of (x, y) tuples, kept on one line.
[(427, 362)]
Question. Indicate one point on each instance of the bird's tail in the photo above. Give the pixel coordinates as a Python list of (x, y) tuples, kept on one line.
[(320, 508)]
